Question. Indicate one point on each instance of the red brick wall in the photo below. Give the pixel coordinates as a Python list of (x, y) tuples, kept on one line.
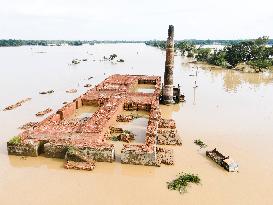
[(67, 110)]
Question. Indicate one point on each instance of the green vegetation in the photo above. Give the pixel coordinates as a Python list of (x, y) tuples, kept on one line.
[(180, 184), (186, 48), (127, 132), (13, 43), (158, 44), (75, 43), (257, 53), (115, 138), (253, 52), (15, 140), (200, 143), (203, 54), (125, 136)]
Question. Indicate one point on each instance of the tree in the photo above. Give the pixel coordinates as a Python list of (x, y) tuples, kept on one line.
[(203, 54), (218, 58), (186, 47)]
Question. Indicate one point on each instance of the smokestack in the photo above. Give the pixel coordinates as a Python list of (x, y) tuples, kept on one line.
[(169, 64)]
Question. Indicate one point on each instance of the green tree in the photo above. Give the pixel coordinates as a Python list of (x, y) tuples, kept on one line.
[(186, 47), (203, 54), (218, 58)]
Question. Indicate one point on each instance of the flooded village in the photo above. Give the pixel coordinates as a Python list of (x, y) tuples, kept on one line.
[(136, 123)]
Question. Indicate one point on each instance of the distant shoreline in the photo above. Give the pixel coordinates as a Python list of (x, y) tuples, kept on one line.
[(19, 42)]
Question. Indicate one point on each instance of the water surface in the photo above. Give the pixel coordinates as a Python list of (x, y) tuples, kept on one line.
[(228, 110)]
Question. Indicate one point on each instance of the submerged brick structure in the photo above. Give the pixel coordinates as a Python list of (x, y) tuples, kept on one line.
[(59, 133)]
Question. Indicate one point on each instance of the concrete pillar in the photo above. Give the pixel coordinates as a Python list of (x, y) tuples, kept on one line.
[(169, 64)]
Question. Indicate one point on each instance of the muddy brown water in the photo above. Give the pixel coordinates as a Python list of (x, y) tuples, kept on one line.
[(228, 110)]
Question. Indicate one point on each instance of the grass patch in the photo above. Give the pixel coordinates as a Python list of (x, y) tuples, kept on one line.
[(71, 149), (200, 143), (125, 136), (15, 140), (182, 181), (127, 132), (115, 138)]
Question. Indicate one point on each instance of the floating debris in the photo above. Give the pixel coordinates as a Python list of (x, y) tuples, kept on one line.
[(180, 184), (112, 57), (115, 130), (90, 78), (127, 118), (71, 91), (46, 92), (124, 135), (42, 113), (18, 104), (120, 60), (87, 85), (84, 59), (75, 61), (65, 103), (28, 125), (224, 161), (200, 143)]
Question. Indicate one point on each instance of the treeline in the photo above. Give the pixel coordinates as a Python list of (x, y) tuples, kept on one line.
[(13, 42), (155, 43), (117, 41), (257, 53), (194, 42)]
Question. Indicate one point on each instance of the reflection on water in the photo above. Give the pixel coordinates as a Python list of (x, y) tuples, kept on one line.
[(84, 111), (137, 126), (145, 88), (234, 79), (229, 110)]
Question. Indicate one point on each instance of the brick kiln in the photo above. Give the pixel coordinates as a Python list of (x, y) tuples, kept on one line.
[(82, 142)]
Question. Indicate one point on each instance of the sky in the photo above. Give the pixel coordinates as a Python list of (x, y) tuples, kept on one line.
[(135, 19)]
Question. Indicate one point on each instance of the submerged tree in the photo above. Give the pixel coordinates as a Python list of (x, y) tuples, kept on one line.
[(186, 47), (203, 54)]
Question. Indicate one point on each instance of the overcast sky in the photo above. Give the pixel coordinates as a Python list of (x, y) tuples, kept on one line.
[(135, 19)]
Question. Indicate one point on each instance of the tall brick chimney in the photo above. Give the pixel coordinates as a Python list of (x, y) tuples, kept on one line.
[(169, 64)]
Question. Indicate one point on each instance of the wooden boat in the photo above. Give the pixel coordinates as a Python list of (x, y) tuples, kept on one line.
[(224, 161)]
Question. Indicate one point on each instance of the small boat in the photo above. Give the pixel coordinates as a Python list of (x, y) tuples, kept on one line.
[(224, 161)]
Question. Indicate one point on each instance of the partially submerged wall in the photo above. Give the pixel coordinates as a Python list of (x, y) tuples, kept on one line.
[(138, 155)]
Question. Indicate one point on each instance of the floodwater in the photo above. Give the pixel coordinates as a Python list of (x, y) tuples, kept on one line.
[(84, 112), (228, 110)]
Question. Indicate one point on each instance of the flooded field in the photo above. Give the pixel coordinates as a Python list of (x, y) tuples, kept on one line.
[(228, 110)]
